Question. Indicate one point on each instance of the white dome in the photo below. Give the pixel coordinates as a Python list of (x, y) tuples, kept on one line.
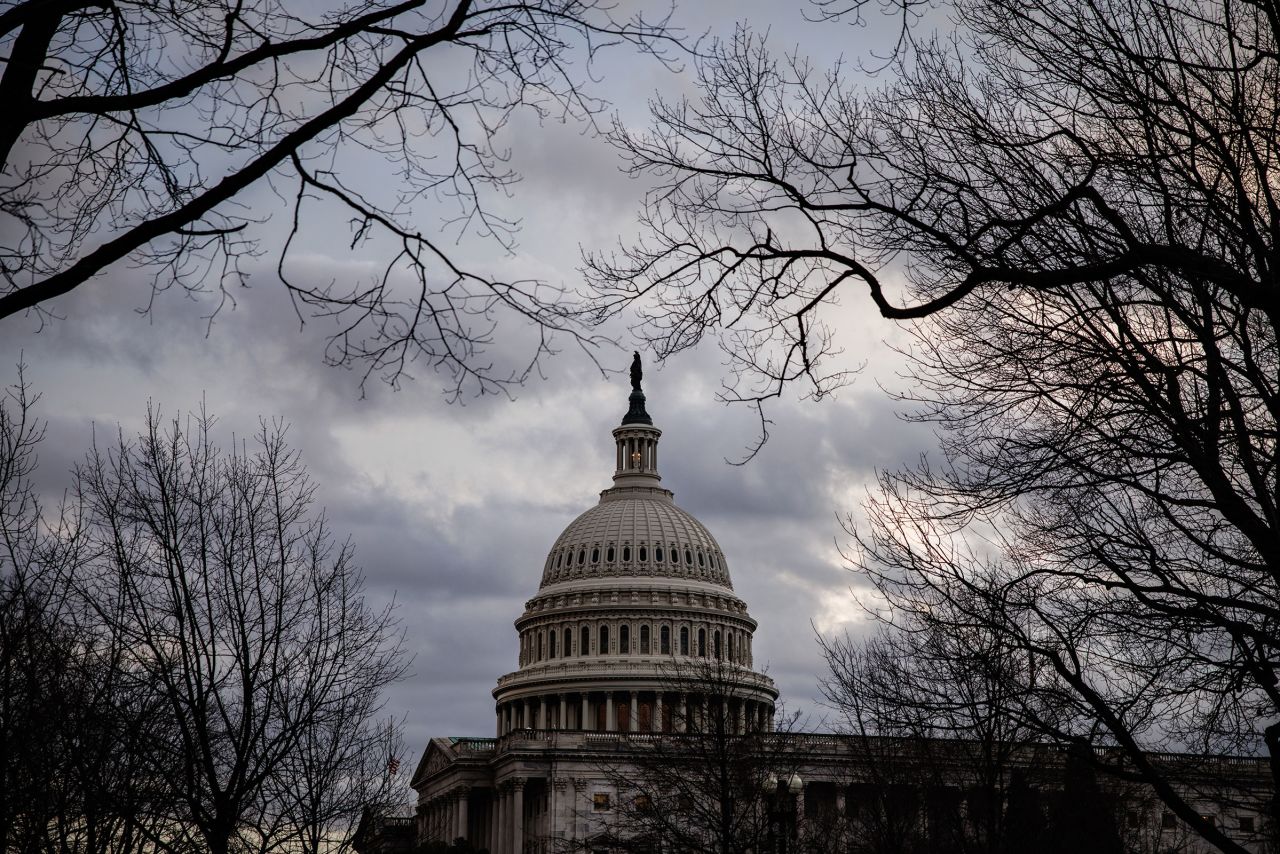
[(636, 532)]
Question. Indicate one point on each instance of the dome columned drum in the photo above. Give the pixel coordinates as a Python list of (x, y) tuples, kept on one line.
[(635, 608)]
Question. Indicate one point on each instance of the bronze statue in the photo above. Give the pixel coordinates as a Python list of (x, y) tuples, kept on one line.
[(637, 373)]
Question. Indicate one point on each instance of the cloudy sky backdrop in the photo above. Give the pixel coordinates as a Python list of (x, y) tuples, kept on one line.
[(452, 508)]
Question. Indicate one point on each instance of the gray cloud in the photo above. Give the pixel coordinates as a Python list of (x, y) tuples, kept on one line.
[(452, 509)]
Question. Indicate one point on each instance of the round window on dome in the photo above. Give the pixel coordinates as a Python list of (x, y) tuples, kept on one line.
[(626, 554)]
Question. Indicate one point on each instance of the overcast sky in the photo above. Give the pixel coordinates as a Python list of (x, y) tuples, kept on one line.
[(453, 508)]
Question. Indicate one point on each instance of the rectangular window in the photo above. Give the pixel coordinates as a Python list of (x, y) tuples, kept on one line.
[(1168, 821), (644, 640), (600, 802), (664, 636), (1246, 823)]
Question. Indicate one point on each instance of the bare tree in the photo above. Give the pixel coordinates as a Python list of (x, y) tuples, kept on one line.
[(931, 720), (136, 131), (1080, 200), (71, 732), (699, 783), (240, 616), (187, 659)]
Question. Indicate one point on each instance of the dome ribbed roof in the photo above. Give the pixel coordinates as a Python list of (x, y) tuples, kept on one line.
[(634, 532)]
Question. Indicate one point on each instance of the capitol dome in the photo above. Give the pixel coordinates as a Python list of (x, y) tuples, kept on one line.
[(630, 534), (635, 607)]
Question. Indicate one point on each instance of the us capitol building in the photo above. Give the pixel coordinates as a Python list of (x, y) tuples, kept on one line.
[(634, 593)]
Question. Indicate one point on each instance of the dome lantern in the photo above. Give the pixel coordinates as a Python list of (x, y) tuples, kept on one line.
[(636, 439)]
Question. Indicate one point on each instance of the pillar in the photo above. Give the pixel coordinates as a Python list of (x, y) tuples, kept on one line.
[(517, 817), (657, 712), (528, 713), (460, 827), (500, 811), (737, 718), (684, 713), (634, 723), (542, 713), (491, 821), (585, 718), (564, 713), (608, 712)]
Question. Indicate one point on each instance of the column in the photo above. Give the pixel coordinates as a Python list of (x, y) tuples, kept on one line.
[(491, 821), (463, 811), (634, 715), (608, 712), (683, 723), (657, 712), (737, 718), (585, 718), (528, 713), (499, 820), (564, 713), (542, 713), (517, 817)]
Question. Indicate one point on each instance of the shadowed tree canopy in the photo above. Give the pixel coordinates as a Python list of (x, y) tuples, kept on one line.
[(148, 135), (1074, 207)]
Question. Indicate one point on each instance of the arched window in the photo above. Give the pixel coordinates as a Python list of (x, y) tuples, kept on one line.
[(624, 639), (584, 641), (559, 559), (551, 645), (688, 557), (700, 558), (731, 658), (568, 642), (702, 642), (608, 555), (644, 554), (684, 640), (582, 556), (595, 555), (657, 554), (644, 640), (604, 641), (542, 642), (715, 644), (675, 555), (664, 638), (626, 554)]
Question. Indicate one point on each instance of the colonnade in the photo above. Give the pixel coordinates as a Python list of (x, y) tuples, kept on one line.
[(486, 817), (628, 711)]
